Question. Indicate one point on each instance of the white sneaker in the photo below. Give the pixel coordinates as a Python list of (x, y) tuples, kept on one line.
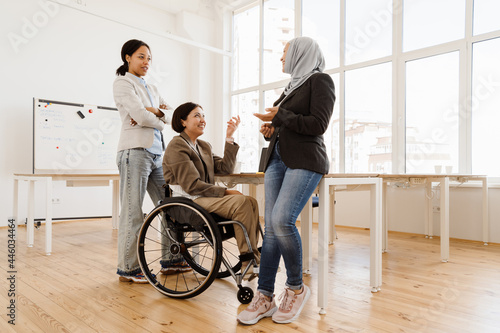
[(291, 305), (259, 308)]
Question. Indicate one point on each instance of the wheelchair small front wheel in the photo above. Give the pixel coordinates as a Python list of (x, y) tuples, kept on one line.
[(245, 295)]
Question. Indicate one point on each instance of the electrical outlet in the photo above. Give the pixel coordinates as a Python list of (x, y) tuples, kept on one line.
[(56, 201), (417, 181)]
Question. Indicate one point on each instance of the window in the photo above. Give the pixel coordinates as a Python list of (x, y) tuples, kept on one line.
[(445, 125), (332, 135), (246, 49), (278, 17), (368, 115), (247, 135), (368, 30), (320, 20), (486, 16), (432, 22), (485, 101), (431, 113)]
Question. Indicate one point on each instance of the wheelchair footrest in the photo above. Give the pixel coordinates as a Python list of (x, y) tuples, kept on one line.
[(246, 256)]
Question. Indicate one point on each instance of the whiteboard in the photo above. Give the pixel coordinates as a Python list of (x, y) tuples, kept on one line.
[(74, 138)]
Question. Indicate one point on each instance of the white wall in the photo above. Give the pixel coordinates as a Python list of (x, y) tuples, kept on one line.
[(406, 209), (68, 52)]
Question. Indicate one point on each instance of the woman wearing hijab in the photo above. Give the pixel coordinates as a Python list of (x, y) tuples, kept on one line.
[(295, 162)]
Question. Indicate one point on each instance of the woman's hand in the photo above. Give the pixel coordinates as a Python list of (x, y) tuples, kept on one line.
[(232, 192), (269, 116), (267, 130), (155, 111), (232, 126)]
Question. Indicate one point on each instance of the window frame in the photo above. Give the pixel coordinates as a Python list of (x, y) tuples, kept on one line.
[(398, 58)]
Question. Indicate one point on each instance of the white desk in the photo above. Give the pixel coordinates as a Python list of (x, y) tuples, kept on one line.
[(444, 181), (71, 180), (327, 183)]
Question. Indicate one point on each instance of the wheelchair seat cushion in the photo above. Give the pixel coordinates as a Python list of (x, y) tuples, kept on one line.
[(185, 211)]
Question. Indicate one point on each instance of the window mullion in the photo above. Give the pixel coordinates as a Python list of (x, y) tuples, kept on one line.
[(398, 91), (340, 99), (261, 66), (298, 18), (465, 120)]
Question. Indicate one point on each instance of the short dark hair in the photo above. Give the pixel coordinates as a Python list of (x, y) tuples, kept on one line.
[(181, 113), (128, 49)]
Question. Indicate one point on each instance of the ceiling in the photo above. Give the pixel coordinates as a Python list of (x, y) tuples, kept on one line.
[(203, 7)]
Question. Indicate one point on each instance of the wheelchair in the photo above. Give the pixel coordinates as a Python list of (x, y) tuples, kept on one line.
[(179, 226)]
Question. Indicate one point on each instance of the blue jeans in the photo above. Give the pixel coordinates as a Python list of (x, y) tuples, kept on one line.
[(287, 192), (140, 171)]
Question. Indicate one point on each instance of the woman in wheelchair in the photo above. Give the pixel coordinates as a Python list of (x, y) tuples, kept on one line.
[(190, 166)]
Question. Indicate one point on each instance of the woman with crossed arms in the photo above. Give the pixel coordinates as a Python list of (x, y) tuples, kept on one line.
[(144, 114)]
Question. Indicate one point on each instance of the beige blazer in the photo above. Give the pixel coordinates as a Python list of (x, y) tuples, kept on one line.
[(131, 99), (183, 166)]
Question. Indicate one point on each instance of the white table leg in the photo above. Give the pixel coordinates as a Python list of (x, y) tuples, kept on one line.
[(306, 235), (378, 226), (430, 216), (333, 230), (15, 209), (252, 190), (385, 218), (445, 219), (428, 208), (486, 230), (30, 223), (376, 235), (324, 209), (115, 213), (48, 218)]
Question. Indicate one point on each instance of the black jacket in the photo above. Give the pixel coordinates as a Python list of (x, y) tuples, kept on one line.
[(300, 122)]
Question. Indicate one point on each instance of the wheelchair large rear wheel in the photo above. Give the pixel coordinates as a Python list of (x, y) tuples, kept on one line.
[(180, 228)]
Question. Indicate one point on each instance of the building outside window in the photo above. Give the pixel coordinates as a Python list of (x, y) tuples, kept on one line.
[(412, 93)]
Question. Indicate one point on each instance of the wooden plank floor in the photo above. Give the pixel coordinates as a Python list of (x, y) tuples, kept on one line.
[(76, 289)]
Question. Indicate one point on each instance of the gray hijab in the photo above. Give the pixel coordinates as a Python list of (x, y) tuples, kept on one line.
[(303, 59)]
